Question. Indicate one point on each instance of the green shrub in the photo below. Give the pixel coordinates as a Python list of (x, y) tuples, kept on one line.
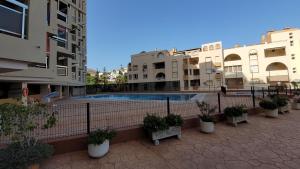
[(99, 136), (235, 111), (154, 123), (268, 104), (21, 155), (174, 120), (205, 111), (17, 121), (280, 101)]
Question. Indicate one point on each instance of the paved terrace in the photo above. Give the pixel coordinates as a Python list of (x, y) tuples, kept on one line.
[(264, 143)]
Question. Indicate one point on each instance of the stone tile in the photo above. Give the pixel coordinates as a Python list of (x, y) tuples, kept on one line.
[(262, 144)]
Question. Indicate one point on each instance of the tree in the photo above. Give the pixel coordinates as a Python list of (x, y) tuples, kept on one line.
[(97, 80), (91, 80), (121, 79)]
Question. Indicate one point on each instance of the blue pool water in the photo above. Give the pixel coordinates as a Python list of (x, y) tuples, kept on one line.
[(174, 97)]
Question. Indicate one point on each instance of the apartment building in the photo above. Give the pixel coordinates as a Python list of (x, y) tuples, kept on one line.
[(43, 48), (275, 61), (193, 69)]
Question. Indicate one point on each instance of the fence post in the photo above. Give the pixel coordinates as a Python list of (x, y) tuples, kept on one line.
[(269, 90), (219, 102), (88, 118), (263, 91), (168, 105), (253, 96), (286, 91), (290, 90)]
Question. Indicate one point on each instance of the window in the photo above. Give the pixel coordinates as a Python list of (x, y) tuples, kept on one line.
[(208, 65), (211, 47), (79, 16), (13, 18), (293, 56), (74, 1), (186, 72), (253, 61), (196, 72), (174, 75), (205, 48), (145, 67), (195, 82), (48, 12), (134, 67), (145, 76), (174, 69), (160, 65), (62, 12), (130, 77), (218, 46), (135, 76), (291, 43), (62, 36), (74, 48), (186, 83)]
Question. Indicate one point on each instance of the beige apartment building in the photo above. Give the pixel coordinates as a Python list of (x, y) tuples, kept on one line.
[(43, 48), (273, 62)]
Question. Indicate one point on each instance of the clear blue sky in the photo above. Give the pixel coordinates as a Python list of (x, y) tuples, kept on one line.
[(120, 28)]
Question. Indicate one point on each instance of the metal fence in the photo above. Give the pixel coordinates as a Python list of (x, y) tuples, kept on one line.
[(80, 117)]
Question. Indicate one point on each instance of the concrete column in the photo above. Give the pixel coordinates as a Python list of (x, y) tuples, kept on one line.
[(24, 98), (60, 91), (66, 91)]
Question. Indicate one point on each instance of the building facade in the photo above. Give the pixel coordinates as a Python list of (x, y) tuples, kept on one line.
[(273, 62), (43, 47)]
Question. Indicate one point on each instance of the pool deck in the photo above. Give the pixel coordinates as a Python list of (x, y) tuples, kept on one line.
[(263, 143)]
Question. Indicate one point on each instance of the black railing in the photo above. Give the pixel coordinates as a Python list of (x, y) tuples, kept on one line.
[(81, 118)]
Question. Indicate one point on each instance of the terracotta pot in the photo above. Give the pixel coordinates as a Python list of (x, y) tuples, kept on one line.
[(34, 166)]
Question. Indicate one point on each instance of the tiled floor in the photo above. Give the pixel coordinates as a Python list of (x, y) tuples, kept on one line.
[(263, 143)]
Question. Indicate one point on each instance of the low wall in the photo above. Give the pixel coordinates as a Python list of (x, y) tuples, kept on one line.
[(70, 144)]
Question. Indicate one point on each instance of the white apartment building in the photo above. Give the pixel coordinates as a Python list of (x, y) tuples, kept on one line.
[(272, 62)]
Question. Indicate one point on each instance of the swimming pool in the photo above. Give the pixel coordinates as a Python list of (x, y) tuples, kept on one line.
[(173, 97)]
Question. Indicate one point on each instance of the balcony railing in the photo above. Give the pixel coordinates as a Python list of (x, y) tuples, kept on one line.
[(73, 75), (278, 78), (233, 74), (62, 16), (13, 21), (62, 70), (160, 78)]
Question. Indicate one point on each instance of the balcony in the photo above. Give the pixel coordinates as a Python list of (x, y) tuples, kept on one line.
[(233, 63), (234, 75), (73, 75), (62, 70), (275, 52), (278, 78), (13, 20)]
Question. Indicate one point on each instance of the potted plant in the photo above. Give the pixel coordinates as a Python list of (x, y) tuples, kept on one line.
[(236, 114), (206, 119), (282, 103), (98, 142), (159, 128), (270, 108), (17, 122), (296, 104)]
